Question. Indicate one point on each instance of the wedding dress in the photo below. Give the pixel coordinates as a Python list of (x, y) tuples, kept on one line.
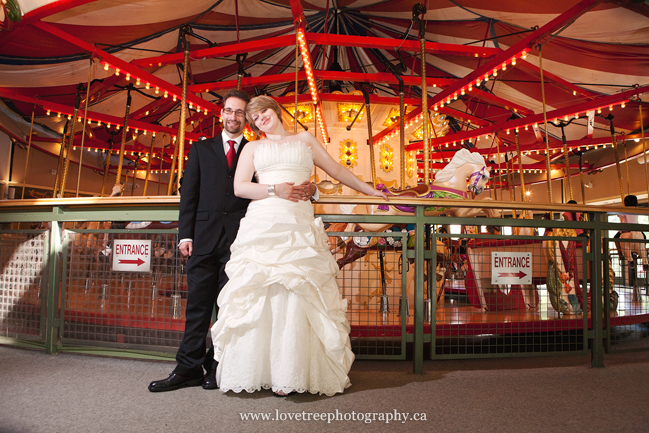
[(282, 322)]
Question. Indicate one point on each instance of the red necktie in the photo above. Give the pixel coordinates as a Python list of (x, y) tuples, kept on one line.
[(231, 153)]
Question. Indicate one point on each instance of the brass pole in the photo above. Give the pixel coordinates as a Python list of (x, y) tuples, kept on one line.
[(566, 159), (545, 126), (500, 172), (402, 136), (183, 118), (162, 154), (148, 166), (644, 146), (370, 139), (171, 171), (520, 169), (64, 177), (510, 181), (424, 108), (581, 179), (59, 167), (29, 146), (85, 120), (118, 177), (297, 57), (109, 154), (617, 157), (626, 169)]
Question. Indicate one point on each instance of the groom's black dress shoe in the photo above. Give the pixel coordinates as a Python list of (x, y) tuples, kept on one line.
[(210, 381), (173, 382)]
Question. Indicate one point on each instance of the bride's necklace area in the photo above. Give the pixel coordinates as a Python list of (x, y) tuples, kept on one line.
[(277, 140)]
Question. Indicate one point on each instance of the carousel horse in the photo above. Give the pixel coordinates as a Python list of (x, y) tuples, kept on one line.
[(467, 172)]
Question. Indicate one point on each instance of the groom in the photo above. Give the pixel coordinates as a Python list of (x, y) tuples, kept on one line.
[(208, 223)]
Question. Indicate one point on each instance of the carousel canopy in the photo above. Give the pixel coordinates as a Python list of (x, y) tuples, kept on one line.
[(494, 70)]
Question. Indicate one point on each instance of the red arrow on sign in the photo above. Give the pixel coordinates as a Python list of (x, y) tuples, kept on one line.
[(519, 274), (138, 262)]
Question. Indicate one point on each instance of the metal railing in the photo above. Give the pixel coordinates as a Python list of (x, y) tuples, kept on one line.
[(412, 291)]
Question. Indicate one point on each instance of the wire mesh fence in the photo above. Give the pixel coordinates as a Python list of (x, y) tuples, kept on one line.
[(537, 300), (22, 268), (373, 278), (504, 295), (628, 324), (136, 308)]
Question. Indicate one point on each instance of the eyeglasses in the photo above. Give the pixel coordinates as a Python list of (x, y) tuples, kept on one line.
[(238, 113)]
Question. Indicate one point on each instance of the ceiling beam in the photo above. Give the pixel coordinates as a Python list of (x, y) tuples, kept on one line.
[(127, 68), (93, 116), (505, 57), (560, 113)]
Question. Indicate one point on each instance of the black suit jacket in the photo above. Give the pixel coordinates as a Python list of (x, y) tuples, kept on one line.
[(207, 200)]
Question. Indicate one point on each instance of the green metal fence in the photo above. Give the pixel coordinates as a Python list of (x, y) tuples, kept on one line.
[(414, 291)]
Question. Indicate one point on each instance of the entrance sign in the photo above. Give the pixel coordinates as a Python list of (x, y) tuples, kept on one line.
[(132, 255), (511, 268)]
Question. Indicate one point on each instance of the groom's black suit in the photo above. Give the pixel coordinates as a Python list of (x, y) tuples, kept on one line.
[(209, 215)]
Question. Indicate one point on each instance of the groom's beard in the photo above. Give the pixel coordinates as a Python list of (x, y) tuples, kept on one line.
[(234, 127)]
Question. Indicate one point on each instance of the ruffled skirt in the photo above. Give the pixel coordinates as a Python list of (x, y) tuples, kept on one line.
[(282, 322)]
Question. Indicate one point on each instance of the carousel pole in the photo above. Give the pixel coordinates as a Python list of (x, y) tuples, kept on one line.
[(83, 131), (134, 174), (402, 136), (510, 182), (644, 146), (617, 157), (424, 97), (109, 154), (500, 172), (520, 168), (241, 71), (148, 166), (566, 159), (547, 138), (581, 179), (64, 177), (297, 57), (171, 171), (29, 146), (118, 177), (370, 139), (183, 116), (626, 169), (162, 154), (59, 166)]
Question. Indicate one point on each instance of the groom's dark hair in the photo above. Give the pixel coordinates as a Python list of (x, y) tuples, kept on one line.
[(236, 94)]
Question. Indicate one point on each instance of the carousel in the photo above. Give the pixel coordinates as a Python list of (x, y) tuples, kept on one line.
[(532, 115)]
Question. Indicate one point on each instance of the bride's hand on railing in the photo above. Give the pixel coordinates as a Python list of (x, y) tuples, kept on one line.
[(381, 194)]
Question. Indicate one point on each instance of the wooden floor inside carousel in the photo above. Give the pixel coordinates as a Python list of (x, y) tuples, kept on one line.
[(94, 309)]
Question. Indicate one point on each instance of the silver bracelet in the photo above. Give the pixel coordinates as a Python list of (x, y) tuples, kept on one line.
[(271, 190)]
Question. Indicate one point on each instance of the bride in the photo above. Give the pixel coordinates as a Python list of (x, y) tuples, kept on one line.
[(282, 322)]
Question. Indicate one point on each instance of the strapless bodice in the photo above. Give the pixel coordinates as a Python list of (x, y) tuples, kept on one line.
[(283, 162)]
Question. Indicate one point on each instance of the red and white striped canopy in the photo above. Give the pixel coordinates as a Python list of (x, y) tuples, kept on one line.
[(492, 67)]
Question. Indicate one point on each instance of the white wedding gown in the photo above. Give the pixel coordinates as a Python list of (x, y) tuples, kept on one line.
[(282, 322)]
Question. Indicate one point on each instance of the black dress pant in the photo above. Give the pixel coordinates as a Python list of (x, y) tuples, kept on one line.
[(205, 278)]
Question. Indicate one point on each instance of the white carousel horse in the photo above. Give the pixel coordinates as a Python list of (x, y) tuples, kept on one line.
[(467, 172)]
